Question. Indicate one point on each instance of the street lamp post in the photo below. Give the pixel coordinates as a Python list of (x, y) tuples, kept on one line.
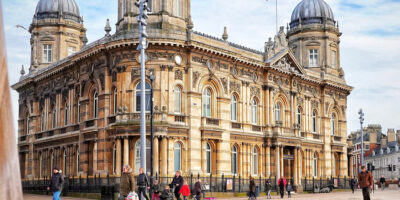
[(143, 43), (362, 136)]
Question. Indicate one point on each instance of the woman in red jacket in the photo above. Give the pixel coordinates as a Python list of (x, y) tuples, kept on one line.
[(185, 191)]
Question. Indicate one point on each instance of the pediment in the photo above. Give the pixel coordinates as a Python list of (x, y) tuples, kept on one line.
[(286, 62)]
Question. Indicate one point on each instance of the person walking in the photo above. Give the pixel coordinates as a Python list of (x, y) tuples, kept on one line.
[(185, 190), (268, 188), (127, 182), (177, 182), (365, 182), (382, 180), (197, 190), (252, 188), (289, 189), (156, 190), (56, 184), (166, 194), (353, 185), (282, 185), (143, 184)]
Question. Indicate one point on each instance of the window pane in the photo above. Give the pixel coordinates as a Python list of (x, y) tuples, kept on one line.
[(177, 100), (177, 157)]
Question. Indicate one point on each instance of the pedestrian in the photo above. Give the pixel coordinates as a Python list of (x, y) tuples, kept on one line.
[(143, 184), (127, 184), (382, 180), (197, 190), (268, 188), (365, 181), (156, 190), (252, 188), (289, 189), (56, 184), (282, 185), (353, 185), (177, 182), (185, 190), (166, 194)]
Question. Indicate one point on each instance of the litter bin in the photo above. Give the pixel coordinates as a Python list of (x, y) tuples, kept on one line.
[(107, 192), (257, 191)]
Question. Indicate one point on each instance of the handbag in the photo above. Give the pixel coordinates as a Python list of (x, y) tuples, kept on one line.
[(132, 196)]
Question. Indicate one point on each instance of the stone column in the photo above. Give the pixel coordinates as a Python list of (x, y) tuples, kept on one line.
[(155, 156), (268, 152), (263, 158), (219, 159), (164, 155), (118, 159), (281, 161), (296, 160), (126, 151), (241, 165), (203, 156), (333, 169), (300, 165), (277, 163), (351, 166), (94, 157)]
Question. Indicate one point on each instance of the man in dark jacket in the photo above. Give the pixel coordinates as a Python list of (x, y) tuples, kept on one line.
[(352, 184), (127, 182), (382, 180), (365, 182), (56, 184), (282, 185), (143, 184), (197, 190), (252, 188), (177, 182)]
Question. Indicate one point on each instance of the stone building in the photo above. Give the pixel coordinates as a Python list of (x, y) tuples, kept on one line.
[(219, 108)]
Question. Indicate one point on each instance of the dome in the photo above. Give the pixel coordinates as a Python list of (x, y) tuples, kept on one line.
[(67, 9), (312, 12)]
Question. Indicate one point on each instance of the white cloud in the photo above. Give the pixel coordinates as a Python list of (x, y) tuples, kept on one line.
[(369, 55)]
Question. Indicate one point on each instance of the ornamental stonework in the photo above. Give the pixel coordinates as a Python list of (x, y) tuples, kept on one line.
[(234, 87), (178, 75)]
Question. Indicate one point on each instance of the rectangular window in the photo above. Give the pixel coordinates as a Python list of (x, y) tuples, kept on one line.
[(313, 62), (333, 57), (47, 53), (71, 50)]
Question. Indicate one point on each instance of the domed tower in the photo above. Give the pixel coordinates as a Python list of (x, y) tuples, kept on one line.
[(314, 37), (57, 31), (166, 16)]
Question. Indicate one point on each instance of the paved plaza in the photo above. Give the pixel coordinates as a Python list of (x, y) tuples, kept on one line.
[(378, 195)]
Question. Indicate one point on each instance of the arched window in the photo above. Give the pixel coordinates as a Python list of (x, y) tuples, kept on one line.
[(207, 102), (208, 157), (54, 118), (234, 160), (43, 122), (315, 165), (254, 163), (78, 113), (178, 100), (333, 124), (137, 156), (234, 108), (66, 114), (115, 100), (277, 112), (114, 158), (314, 121), (95, 105), (299, 116), (147, 96), (254, 116), (177, 156)]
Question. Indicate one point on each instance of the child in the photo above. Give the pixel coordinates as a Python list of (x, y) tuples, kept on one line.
[(166, 194), (288, 189), (156, 192), (185, 191)]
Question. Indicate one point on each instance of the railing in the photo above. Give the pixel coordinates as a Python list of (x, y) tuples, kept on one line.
[(135, 117), (315, 136), (236, 125), (180, 118), (22, 138), (316, 184), (278, 123), (211, 121), (256, 128), (90, 123)]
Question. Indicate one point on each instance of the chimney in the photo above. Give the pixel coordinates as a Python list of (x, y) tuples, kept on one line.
[(391, 135)]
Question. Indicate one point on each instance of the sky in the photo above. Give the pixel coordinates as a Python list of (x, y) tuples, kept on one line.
[(370, 54)]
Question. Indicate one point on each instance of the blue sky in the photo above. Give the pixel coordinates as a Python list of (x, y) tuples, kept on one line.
[(370, 43)]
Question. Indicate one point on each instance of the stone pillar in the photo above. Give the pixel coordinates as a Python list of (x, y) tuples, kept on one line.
[(164, 155), (94, 157), (333, 168), (118, 159), (281, 161), (219, 159), (242, 160), (268, 152), (277, 163), (351, 166), (300, 165), (263, 158), (203, 156), (155, 156), (296, 160), (126, 151)]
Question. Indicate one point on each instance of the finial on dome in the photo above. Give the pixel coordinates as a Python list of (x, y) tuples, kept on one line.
[(190, 24), (108, 28), (22, 71), (225, 35), (84, 39)]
